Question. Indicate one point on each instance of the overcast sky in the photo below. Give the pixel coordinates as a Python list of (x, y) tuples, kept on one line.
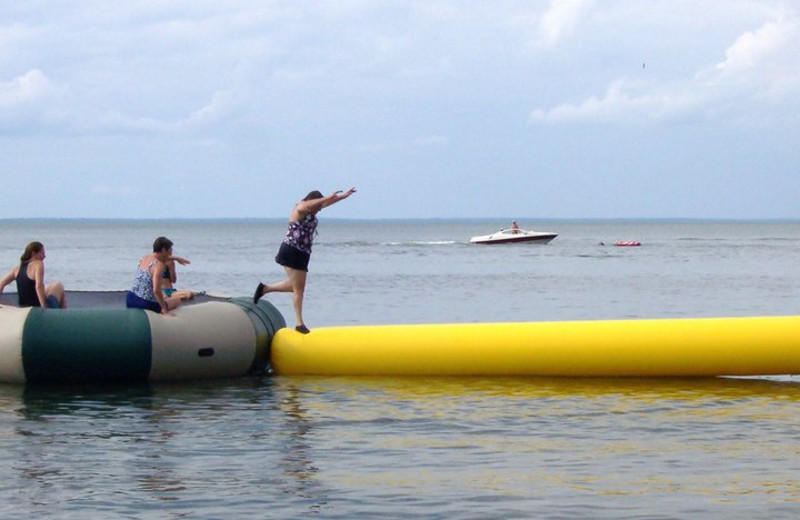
[(430, 108)]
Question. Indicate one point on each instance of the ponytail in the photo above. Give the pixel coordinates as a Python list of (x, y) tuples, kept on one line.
[(30, 250)]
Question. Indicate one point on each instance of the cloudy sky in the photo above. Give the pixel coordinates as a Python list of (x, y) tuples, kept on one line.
[(430, 108)]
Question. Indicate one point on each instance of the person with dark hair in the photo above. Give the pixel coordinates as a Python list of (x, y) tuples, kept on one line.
[(295, 250), (29, 275), (169, 276), (146, 292)]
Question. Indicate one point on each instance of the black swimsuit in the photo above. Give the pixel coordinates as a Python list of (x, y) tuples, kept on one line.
[(26, 288), (295, 251)]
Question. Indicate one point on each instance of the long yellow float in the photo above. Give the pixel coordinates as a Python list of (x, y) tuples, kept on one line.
[(644, 348)]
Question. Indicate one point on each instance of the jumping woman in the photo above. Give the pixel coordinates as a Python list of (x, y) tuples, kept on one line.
[(295, 250)]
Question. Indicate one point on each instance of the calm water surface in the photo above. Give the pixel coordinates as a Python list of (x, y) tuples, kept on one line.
[(432, 448), (298, 447)]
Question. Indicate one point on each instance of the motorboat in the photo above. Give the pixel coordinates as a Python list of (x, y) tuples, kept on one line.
[(508, 236)]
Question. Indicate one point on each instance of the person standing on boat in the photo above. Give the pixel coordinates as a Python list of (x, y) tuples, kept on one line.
[(295, 250), (514, 227), (29, 275), (146, 292)]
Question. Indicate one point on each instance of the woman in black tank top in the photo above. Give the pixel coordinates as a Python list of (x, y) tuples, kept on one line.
[(29, 275)]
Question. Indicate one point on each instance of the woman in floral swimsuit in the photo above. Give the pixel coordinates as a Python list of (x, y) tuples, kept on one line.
[(146, 292), (295, 250)]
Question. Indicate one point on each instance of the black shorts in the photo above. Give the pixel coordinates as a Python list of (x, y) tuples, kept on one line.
[(292, 257)]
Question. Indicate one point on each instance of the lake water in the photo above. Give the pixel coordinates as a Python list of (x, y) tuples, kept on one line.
[(292, 447)]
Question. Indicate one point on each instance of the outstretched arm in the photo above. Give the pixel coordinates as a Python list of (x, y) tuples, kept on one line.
[(7, 279), (336, 196), (333, 198), (180, 260)]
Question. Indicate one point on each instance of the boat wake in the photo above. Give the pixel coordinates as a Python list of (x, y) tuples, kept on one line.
[(422, 243)]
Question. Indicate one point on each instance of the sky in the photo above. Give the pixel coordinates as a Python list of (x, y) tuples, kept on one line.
[(538, 109)]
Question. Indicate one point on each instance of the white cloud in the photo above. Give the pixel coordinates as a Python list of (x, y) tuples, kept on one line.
[(764, 62), (753, 47), (223, 104), (179, 66), (623, 100), (113, 121), (560, 20), (334, 88), (29, 102), (30, 96), (761, 69), (27, 89)]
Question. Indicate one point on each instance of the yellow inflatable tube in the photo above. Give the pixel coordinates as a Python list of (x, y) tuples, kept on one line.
[(665, 347)]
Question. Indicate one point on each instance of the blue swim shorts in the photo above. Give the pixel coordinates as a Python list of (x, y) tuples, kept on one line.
[(134, 302)]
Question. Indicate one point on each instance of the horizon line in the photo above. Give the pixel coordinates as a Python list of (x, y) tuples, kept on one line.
[(412, 219)]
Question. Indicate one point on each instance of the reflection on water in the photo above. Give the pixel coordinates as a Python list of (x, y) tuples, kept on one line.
[(296, 462), (433, 448)]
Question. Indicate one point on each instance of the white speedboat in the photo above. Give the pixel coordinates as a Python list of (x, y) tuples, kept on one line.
[(507, 236)]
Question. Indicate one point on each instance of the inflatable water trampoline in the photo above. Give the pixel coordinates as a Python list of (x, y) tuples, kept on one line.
[(230, 337), (99, 340)]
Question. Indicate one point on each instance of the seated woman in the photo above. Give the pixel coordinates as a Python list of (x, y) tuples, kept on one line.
[(29, 275), (169, 276), (146, 292)]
